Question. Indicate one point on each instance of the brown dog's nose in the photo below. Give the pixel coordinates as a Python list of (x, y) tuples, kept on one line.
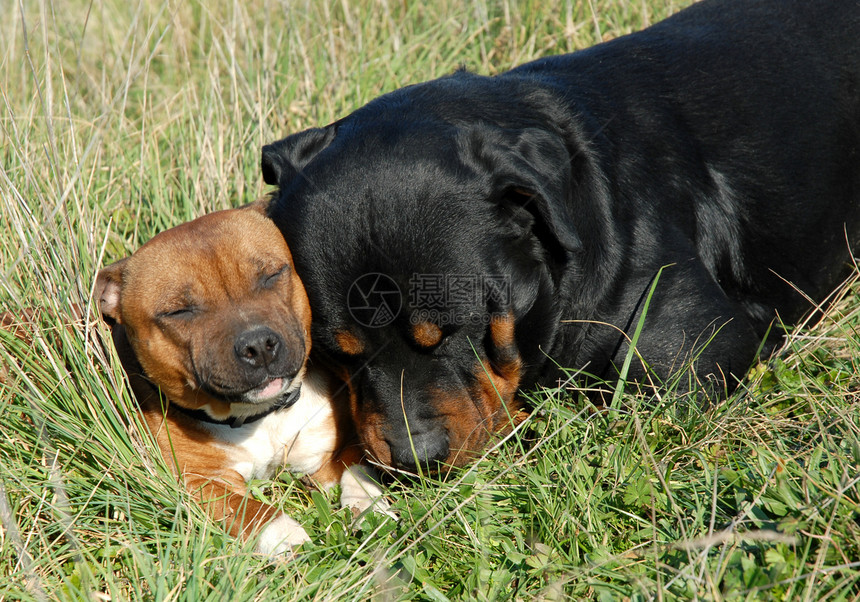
[(258, 347)]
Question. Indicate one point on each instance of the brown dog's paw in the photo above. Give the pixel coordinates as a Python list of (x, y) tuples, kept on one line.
[(360, 492), (281, 536)]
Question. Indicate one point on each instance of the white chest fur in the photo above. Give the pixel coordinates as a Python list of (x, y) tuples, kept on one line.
[(299, 438)]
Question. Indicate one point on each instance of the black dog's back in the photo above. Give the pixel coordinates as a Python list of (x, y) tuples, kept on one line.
[(713, 158), (691, 106), (729, 133)]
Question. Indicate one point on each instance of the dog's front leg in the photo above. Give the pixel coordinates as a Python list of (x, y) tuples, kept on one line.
[(206, 472), (226, 501)]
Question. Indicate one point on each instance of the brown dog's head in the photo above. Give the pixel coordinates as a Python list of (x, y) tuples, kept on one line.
[(214, 311)]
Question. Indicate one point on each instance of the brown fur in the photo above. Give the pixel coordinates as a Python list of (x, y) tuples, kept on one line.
[(234, 271), (189, 450)]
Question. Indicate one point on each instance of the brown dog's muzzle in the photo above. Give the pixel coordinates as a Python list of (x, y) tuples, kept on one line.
[(251, 364), (262, 352)]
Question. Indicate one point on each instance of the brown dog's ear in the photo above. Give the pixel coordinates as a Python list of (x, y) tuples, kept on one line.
[(261, 206), (108, 288)]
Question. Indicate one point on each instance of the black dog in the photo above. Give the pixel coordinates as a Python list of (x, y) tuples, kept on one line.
[(524, 218)]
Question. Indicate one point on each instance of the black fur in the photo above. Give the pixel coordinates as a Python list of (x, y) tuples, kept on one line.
[(723, 143)]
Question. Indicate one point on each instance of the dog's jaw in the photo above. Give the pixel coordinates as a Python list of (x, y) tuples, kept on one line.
[(257, 400), (300, 438)]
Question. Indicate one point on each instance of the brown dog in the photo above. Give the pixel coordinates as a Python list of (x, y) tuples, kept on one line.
[(212, 324)]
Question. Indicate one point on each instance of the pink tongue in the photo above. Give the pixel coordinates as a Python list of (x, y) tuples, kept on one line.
[(272, 388)]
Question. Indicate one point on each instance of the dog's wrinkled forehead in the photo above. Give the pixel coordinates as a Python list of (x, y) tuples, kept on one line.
[(257, 249)]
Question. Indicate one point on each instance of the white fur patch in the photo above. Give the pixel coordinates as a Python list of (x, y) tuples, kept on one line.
[(280, 536), (360, 491), (298, 438)]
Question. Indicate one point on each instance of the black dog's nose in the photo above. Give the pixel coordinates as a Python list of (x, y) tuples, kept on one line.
[(425, 449), (258, 347)]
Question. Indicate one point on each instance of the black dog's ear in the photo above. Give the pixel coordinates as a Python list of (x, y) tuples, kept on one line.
[(282, 160), (531, 171)]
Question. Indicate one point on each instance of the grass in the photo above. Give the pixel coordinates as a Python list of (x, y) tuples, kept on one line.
[(118, 120)]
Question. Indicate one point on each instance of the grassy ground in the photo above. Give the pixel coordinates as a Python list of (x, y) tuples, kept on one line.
[(119, 119)]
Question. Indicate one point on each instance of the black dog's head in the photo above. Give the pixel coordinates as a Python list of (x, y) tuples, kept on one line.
[(431, 230)]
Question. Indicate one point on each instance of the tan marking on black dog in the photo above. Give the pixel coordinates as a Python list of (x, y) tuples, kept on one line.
[(426, 334), (348, 342)]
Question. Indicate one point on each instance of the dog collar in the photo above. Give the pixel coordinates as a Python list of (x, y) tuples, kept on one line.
[(284, 402)]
